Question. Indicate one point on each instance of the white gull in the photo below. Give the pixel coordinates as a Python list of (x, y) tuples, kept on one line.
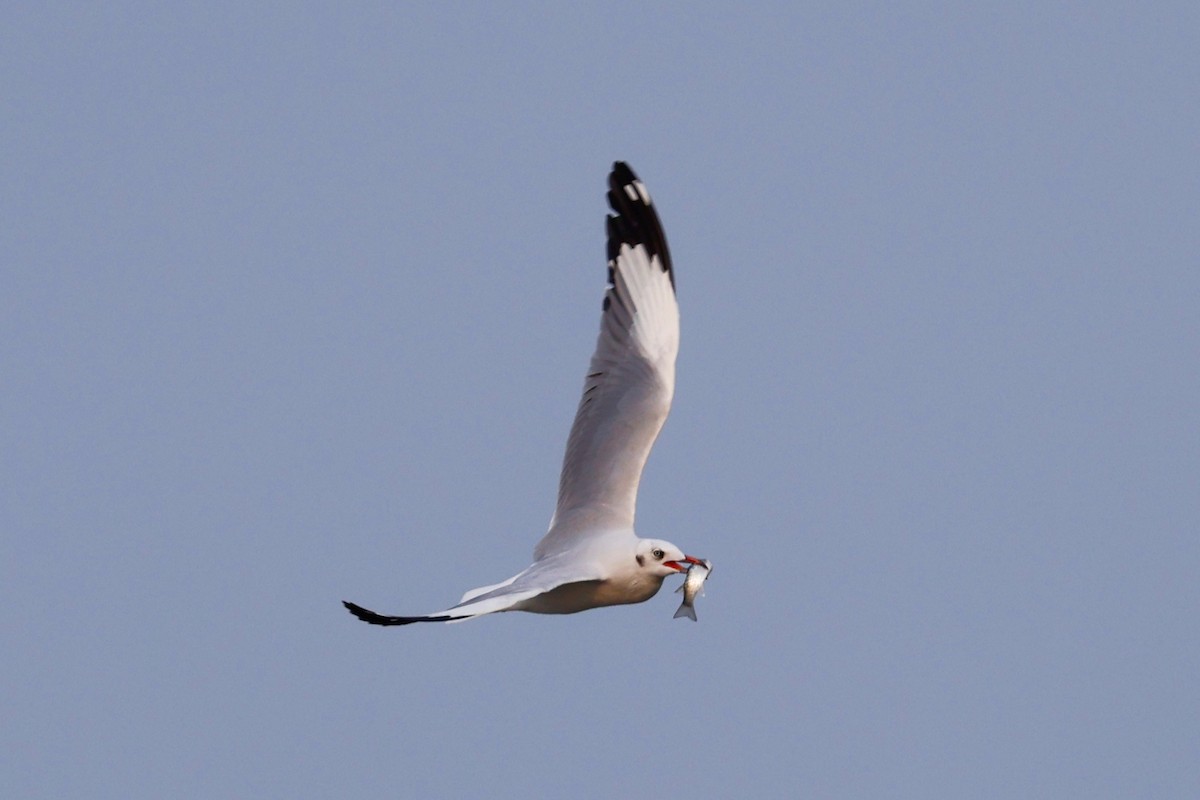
[(591, 556)]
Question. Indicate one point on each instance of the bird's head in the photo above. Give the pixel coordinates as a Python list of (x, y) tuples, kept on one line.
[(661, 558)]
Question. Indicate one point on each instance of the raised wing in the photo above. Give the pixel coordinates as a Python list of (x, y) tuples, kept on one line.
[(628, 389)]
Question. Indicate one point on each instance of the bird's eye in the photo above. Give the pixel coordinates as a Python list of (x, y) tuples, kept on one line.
[(657, 553)]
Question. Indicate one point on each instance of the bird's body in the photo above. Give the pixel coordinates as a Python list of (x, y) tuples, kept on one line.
[(591, 556)]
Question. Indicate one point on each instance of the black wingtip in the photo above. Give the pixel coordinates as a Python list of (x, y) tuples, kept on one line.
[(367, 615), (622, 174), (634, 220)]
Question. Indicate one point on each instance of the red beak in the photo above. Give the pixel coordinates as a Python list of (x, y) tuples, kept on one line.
[(675, 565)]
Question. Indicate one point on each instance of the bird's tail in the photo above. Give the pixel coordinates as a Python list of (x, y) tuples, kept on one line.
[(367, 615), (500, 598), (686, 611)]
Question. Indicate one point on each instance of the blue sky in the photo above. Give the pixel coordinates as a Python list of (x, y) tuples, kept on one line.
[(298, 300)]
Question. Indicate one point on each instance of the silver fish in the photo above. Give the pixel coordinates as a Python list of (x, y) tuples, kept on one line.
[(693, 585)]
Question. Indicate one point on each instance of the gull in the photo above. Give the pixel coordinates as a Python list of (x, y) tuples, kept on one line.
[(591, 557)]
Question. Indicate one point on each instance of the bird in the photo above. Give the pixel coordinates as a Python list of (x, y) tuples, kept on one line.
[(591, 557)]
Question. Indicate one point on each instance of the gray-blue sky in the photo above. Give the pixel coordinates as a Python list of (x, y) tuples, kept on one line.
[(296, 307)]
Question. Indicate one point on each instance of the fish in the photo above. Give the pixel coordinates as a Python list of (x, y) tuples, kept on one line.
[(693, 585)]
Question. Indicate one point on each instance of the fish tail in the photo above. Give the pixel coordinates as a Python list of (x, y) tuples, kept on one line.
[(686, 611)]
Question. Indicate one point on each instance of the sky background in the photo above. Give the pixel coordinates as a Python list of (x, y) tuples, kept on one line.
[(296, 305)]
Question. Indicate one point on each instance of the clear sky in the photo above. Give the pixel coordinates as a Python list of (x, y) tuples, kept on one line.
[(296, 305)]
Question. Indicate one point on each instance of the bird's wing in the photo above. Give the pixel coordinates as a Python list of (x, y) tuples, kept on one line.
[(540, 578), (628, 389)]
